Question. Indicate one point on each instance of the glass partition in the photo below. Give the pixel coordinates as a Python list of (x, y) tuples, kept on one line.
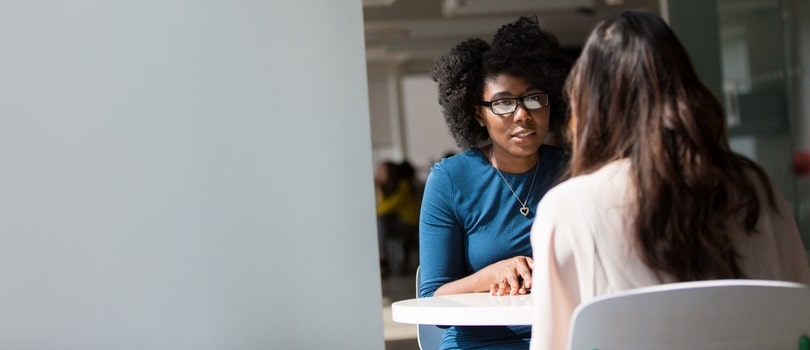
[(758, 44)]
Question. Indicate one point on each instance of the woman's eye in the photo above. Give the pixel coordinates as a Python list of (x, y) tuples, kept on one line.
[(503, 103)]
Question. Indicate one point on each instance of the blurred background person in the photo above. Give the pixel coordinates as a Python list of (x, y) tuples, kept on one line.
[(397, 214)]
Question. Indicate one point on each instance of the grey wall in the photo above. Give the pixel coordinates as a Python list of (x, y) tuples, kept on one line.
[(695, 22), (802, 127), (406, 118), (186, 175), (426, 132)]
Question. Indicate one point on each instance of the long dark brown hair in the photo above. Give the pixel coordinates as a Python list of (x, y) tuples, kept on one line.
[(635, 95)]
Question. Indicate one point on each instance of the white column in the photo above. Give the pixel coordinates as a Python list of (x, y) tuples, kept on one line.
[(186, 175)]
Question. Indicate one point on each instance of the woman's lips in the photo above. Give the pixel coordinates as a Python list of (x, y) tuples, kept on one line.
[(524, 133)]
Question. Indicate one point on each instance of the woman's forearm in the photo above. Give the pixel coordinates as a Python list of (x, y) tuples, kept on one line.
[(471, 284)]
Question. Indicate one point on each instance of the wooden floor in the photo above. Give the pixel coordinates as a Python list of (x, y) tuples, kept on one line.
[(398, 336), (404, 344)]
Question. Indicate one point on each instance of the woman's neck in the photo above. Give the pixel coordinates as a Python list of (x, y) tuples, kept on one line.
[(509, 163)]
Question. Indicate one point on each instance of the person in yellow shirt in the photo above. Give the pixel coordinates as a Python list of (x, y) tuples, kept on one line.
[(397, 214)]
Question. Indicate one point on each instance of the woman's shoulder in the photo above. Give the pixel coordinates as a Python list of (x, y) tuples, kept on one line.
[(461, 162), (588, 204), (609, 180), (553, 151), (554, 160)]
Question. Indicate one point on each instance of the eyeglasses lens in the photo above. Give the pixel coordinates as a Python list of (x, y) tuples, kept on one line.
[(509, 105), (533, 102), (504, 106)]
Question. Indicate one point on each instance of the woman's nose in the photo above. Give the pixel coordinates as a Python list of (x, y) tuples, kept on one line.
[(522, 113)]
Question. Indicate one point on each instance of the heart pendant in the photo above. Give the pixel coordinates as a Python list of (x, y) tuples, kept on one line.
[(524, 211)]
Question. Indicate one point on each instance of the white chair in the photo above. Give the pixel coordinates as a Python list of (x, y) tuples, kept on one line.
[(428, 336), (719, 314)]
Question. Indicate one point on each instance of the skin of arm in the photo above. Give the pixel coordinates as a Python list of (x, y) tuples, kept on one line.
[(507, 277)]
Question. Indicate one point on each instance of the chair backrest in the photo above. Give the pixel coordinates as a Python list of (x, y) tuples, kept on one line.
[(720, 314), (428, 336)]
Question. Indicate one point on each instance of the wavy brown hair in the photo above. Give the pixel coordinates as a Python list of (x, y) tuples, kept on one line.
[(634, 94)]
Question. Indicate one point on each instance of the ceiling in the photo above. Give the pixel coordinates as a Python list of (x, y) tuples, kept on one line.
[(411, 33)]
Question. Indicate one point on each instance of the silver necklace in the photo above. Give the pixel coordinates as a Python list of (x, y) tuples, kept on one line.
[(523, 208)]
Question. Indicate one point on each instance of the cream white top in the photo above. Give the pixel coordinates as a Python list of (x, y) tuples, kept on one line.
[(582, 249)]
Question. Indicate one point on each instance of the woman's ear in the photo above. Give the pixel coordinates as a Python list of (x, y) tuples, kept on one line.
[(479, 118)]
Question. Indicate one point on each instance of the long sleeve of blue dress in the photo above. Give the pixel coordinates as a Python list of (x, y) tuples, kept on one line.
[(469, 220)]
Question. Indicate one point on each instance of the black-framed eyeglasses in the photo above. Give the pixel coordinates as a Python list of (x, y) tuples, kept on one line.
[(503, 106)]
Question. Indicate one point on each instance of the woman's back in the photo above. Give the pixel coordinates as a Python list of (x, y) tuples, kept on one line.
[(583, 224), (656, 194), (588, 216)]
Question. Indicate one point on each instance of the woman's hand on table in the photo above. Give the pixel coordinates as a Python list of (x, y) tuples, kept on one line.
[(511, 276)]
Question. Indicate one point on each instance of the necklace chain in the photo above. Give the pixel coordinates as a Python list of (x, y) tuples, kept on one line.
[(523, 208)]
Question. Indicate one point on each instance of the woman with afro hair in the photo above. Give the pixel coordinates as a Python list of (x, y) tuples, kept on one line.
[(500, 101)]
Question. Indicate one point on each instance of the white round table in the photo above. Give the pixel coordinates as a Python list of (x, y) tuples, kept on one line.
[(474, 309)]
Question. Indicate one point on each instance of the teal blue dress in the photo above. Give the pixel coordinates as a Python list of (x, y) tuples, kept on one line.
[(469, 220)]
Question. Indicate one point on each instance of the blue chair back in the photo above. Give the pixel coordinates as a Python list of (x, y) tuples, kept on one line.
[(429, 336)]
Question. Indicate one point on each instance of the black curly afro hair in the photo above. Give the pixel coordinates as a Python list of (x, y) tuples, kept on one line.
[(521, 49)]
